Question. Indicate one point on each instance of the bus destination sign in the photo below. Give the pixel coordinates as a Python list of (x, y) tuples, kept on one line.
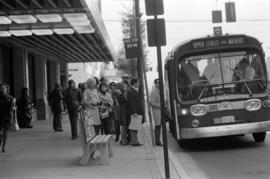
[(218, 42), (225, 97)]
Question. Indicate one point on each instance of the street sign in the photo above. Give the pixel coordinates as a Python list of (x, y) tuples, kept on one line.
[(216, 16), (132, 47), (154, 7), (217, 31), (230, 12), (156, 32)]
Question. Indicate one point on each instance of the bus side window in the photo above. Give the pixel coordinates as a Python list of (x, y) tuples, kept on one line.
[(256, 63), (184, 81)]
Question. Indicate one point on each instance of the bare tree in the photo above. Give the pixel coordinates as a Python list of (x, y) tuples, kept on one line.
[(128, 21)]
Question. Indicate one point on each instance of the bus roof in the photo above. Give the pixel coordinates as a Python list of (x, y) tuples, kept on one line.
[(215, 42)]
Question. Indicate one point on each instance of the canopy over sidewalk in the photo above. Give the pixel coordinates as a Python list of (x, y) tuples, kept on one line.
[(65, 30)]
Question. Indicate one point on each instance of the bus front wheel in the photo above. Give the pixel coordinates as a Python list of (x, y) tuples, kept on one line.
[(183, 143), (259, 137)]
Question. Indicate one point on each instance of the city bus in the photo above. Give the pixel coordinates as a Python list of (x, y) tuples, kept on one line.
[(217, 86)]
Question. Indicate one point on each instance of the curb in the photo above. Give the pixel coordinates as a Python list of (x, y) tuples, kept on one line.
[(176, 169)]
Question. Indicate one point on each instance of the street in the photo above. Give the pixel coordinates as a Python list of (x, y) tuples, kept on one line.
[(225, 157)]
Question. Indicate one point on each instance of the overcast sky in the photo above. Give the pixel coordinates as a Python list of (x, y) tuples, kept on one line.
[(186, 19)]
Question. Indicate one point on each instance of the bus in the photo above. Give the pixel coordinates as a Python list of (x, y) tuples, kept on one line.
[(217, 86)]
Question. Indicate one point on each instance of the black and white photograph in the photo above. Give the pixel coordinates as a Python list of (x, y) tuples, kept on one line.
[(134, 89)]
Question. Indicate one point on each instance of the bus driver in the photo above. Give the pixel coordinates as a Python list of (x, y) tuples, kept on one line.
[(243, 71)]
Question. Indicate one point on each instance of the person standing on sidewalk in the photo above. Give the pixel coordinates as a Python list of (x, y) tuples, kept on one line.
[(7, 104), (123, 111), (56, 102), (115, 110), (134, 108), (73, 98), (25, 106), (105, 108), (91, 104), (155, 104)]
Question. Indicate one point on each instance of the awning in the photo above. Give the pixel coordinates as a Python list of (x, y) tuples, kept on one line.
[(64, 30)]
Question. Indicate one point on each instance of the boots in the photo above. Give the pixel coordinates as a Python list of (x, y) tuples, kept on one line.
[(157, 135)]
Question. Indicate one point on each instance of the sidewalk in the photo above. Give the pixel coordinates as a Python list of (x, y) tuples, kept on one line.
[(42, 153)]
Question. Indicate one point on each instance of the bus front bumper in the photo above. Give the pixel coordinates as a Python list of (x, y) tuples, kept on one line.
[(225, 130)]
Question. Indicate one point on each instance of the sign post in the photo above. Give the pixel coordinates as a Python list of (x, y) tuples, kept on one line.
[(157, 37)]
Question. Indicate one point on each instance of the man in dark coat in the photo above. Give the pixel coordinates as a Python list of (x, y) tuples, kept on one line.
[(56, 102), (73, 98), (134, 107)]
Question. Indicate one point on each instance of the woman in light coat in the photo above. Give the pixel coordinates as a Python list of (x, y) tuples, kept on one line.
[(155, 104), (91, 103)]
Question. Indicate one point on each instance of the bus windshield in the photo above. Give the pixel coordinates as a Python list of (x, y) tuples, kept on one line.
[(240, 72)]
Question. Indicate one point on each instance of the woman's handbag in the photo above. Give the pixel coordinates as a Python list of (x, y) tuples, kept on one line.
[(135, 122), (15, 125), (104, 114), (61, 106)]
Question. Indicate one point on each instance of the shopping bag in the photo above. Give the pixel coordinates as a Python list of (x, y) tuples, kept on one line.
[(135, 122)]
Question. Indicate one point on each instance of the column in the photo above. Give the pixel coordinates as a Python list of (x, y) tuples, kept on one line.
[(64, 74), (54, 75), (20, 69), (41, 88)]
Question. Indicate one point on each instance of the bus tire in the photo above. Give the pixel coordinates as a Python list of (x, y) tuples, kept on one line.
[(183, 143), (259, 137)]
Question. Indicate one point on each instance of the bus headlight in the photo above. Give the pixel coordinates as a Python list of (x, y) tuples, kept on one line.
[(253, 104), (184, 112), (198, 110)]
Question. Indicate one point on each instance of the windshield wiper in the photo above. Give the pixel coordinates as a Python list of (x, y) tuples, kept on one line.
[(208, 82), (241, 79)]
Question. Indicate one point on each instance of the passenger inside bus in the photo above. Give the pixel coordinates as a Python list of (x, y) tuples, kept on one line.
[(212, 71), (243, 71)]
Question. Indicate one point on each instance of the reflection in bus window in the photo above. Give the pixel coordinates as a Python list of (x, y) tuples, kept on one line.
[(224, 73)]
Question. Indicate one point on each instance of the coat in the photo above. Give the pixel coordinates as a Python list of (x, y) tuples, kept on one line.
[(106, 102), (155, 104), (123, 109), (115, 107), (6, 107), (73, 99), (25, 106), (56, 100), (90, 105), (134, 103)]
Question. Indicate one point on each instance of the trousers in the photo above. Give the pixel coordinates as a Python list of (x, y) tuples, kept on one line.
[(73, 118)]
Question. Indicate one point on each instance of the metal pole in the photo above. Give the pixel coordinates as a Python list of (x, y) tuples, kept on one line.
[(140, 55), (162, 103), (148, 106)]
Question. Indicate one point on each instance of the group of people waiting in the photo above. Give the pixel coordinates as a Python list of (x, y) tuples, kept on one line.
[(108, 106)]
